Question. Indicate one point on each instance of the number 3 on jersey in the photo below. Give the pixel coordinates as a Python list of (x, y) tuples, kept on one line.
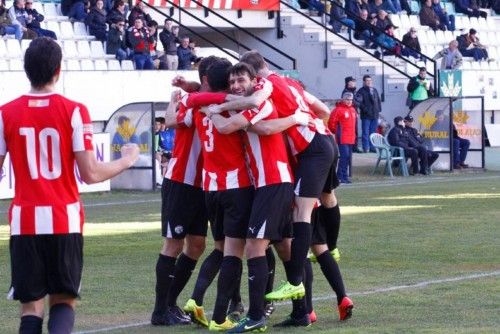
[(50, 154), (209, 142)]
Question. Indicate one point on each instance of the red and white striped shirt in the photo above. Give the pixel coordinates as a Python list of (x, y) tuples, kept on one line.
[(41, 133), (267, 154), (289, 97), (224, 163)]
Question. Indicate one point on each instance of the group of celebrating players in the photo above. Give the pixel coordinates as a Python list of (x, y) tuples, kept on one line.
[(252, 156)]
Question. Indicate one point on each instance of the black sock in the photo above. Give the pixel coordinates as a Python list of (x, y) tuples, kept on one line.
[(208, 270), (61, 319), (331, 220), (308, 282), (236, 297), (164, 272), (271, 267), (183, 269), (228, 278), (30, 324), (300, 245), (257, 281), (286, 265), (331, 270)]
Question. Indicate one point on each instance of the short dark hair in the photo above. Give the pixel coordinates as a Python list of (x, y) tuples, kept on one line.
[(472, 31), (205, 63), (160, 119), (254, 59), (243, 68), (152, 23), (423, 68), (42, 61), (366, 76), (218, 75)]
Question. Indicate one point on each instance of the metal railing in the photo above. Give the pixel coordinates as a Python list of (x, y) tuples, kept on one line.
[(219, 31)]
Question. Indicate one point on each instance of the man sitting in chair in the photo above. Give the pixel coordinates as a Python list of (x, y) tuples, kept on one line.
[(398, 137), (427, 157)]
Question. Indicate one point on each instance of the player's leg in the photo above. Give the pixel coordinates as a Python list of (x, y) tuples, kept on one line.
[(271, 268), (32, 317), (61, 314)]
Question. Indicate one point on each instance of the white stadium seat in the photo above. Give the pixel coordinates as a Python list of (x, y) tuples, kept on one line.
[(54, 26), (3, 49), (431, 37), (114, 65), (415, 21), (70, 50), (440, 38), (73, 65), (83, 49), (101, 65), (87, 65), (13, 48), (127, 65), (39, 7), (466, 65), (97, 50), (4, 66), (16, 65), (50, 9), (395, 20), (25, 43), (66, 29), (405, 22)]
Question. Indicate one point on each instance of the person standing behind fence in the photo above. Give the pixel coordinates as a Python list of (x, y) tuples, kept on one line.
[(368, 100), (169, 39), (420, 88), (342, 123)]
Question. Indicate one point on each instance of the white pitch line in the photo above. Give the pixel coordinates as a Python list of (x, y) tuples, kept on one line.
[(329, 297)]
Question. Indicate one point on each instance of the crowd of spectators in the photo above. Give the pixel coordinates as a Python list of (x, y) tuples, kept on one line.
[(22, 21)]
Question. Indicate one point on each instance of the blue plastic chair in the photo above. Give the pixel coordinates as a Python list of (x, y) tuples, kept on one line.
[(389, 154)]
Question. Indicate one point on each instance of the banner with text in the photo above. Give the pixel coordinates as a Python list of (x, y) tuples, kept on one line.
[(101, 150)]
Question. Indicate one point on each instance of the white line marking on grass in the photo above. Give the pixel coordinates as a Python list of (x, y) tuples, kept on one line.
[(360, 293)]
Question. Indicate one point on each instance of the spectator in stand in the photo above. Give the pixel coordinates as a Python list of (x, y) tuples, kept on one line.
[(96, 21), (383, 20), (186, 54), (427, 157), (156, 55), (338, 18), (368, 100), (79, 11), (6, 25), (138, 12), (496, 7), (385, 5), (411, 45), (66, 6), (444, 19), (342, 123), (419, 87), (398, 137), (117, 12), (451, 58), (429, 18), (140, 40), (316, 6), (19, 17), (388, 42), (115, 43), (460, 149), (469, 46), (363, 28), (469, 8), (35, 21), (169, 39)]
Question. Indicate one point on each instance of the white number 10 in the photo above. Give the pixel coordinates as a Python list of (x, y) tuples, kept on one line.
[(55, 153)]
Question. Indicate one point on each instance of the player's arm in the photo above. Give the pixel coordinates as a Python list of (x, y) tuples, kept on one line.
[(171, 113), (93, 171), (227, 125), (277, 125), (318, 107), (2, 159), (187, 86)]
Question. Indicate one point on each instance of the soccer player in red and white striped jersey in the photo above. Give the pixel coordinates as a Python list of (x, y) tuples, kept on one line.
[(45, 134), (315, 175)]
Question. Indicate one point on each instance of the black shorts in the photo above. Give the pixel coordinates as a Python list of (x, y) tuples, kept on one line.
[(270, 211), (318, 228), (182, 210), (229, 212), (316, 167), (45, 265)]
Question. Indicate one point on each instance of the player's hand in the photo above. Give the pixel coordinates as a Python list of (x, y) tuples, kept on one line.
[(179, 81), (301, 118), (211, 110), (176, 96), (130, 152)]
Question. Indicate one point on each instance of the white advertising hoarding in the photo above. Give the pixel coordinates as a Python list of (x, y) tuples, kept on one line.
[(101, 150)]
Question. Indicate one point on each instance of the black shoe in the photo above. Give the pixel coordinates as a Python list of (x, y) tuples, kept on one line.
[(372, 150), (357, 150), (304, 321), (249, 325), (158, 319), (269, 309), (464, 165), (457, 166), (235, 311), (176, 316)]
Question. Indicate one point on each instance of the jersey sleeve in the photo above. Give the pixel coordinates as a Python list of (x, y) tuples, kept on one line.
[(256, 114), (82, 129), (196, 100), (3, 145), (264, 85), (184, 116)]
